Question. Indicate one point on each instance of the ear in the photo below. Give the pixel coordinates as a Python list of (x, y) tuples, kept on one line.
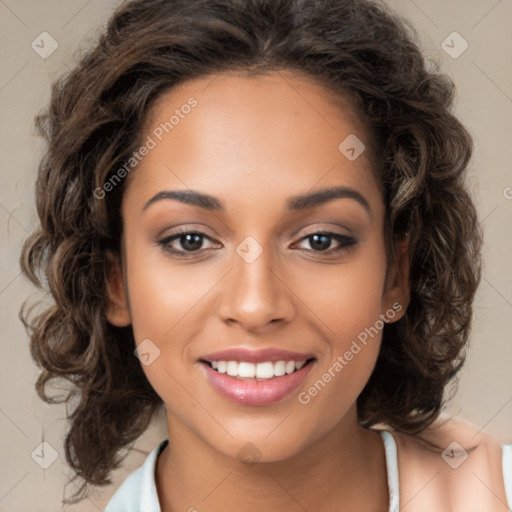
[(397, 296), (117, 312)]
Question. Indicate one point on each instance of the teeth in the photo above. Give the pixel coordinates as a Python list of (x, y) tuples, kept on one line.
[(279, 368), (299, 365), (266, 370), (290, 367), (246, 370), (232, 368)]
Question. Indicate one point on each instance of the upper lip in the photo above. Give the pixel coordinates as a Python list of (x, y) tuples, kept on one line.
[(256, 356)]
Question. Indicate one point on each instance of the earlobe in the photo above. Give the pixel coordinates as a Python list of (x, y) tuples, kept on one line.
[(117, 311), (398, 292)]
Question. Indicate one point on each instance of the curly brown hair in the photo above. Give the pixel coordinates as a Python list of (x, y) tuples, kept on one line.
[(94, 123)]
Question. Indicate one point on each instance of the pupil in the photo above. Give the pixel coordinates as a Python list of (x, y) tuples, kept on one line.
[(190, 243), (322, 245)]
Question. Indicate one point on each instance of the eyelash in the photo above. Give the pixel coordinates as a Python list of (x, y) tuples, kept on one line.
[(344, 240)]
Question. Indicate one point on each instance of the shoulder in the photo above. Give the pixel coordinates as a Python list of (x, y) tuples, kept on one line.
[(445, 431), (451, 465), (126, 498), (138, 490)]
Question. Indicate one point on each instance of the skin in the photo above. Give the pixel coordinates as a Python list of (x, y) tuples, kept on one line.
[(253, 142)]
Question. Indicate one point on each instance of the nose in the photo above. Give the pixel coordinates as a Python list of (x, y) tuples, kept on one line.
[(254, 294)]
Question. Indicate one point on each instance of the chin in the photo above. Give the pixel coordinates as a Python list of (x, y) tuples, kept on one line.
[(262, 445)]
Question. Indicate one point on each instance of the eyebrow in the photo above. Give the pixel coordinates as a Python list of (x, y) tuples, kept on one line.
[(296, 203)]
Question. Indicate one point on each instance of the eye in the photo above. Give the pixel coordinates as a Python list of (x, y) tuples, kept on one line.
[(190, 242), (320, 241)]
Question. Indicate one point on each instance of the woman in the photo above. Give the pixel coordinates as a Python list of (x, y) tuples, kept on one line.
[(254, 214)]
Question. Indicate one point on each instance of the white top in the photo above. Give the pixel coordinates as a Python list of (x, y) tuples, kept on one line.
[(138, 492)]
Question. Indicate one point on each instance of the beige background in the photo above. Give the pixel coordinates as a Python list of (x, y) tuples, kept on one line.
[(484, 80)]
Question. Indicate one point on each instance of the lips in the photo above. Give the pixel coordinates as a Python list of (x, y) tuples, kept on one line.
[(254, 391), (256, 356)]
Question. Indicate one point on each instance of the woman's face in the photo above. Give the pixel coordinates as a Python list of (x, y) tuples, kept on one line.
[(254, 277)]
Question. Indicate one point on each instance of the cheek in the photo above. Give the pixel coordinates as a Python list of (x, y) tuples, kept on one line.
[(164, 294), (166, 301), (354, 339), (346, 299), (347, 303)]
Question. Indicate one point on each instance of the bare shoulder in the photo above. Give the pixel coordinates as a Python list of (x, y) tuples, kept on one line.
[(446, 430), (452, 460), (451, 442)]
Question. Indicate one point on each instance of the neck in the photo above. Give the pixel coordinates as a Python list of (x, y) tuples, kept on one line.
[(343, 470)]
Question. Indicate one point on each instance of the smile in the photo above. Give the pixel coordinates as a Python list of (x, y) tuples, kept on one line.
[(261, 371), (255, 378)]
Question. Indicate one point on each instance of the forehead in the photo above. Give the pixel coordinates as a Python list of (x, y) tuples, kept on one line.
[(275, 134)]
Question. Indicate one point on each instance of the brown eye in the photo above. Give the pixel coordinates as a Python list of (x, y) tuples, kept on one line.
[(189, 241), (321, 241)]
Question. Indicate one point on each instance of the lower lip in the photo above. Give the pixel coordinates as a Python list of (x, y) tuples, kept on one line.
[(252, 392)]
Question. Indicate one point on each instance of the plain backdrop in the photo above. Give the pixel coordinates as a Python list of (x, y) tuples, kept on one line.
[(483, 77)]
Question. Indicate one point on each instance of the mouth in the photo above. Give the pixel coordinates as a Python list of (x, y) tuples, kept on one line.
[(256, 383), (257, 372)]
